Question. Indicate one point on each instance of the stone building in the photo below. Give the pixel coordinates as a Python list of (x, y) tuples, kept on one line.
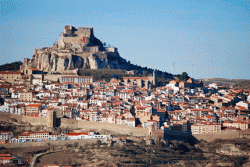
[(78, 38), (190, 83), (10, 76), (142, 82), (6, 135), (28, 96), (77, 79), (33, 109), (32, 75), (205, 127), (221, 101)]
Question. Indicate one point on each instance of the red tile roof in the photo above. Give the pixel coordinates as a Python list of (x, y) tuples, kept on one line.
[(35, 69), (5, 155), (10, 72), (6, 158), (77, 133), (33, 105)]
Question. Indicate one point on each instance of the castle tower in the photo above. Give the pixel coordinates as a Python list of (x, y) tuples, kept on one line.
[(68, 29), (154, 78), (25, 61), (151, 130), (139, 82), (51, 119), (146, 84)]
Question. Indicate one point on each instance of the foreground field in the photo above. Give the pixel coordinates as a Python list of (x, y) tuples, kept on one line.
[(157, 152), (161, 153)]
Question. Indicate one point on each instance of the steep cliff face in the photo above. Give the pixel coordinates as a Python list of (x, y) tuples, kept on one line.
[(56, 63)]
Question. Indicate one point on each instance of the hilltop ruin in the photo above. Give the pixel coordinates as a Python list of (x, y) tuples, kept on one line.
[(76, 49)]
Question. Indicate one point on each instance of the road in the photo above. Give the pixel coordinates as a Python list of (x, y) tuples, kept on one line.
[(34, 159)]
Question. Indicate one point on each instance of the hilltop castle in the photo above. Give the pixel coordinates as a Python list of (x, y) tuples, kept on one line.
[(79, 40), (76, 49)]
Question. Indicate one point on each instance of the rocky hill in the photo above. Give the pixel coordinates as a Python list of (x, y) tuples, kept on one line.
[(78, 50)]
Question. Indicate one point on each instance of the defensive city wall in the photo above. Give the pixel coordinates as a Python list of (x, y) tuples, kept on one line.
[(36, 121), (86, 125), (209, 137), (134, 131), (104, 126)]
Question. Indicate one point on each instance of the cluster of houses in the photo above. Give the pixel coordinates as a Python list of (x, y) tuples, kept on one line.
[(27, 136), (9, 159), (189, 106)]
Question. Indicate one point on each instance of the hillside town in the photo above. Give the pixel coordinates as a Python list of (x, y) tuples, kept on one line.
[(98, 83), (182, 106)]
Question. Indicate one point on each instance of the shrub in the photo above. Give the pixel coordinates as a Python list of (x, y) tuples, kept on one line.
[(76, 144), (98, 143), (68, 145)]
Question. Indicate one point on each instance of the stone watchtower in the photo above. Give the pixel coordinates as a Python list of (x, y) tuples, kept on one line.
[(154, 78), (151, 130), (78, 38), (51, 119), (69, 30)]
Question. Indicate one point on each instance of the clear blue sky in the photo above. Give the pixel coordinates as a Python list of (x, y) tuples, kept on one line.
[(212, 37)]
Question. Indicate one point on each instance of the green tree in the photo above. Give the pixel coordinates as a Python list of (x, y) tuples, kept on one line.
[(184, 76)]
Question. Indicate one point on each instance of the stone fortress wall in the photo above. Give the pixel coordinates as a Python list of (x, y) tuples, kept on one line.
[(104, 126), (86, 125), (72, 40), (36, 121), (209, 137), (85, 31), (82, 36), (134, 131)]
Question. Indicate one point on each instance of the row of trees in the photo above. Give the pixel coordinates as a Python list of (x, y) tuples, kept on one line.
[(182, 77), (15, 66)]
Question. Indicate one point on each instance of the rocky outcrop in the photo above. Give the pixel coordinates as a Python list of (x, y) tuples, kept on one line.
[(51, 62), (76, 49)]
